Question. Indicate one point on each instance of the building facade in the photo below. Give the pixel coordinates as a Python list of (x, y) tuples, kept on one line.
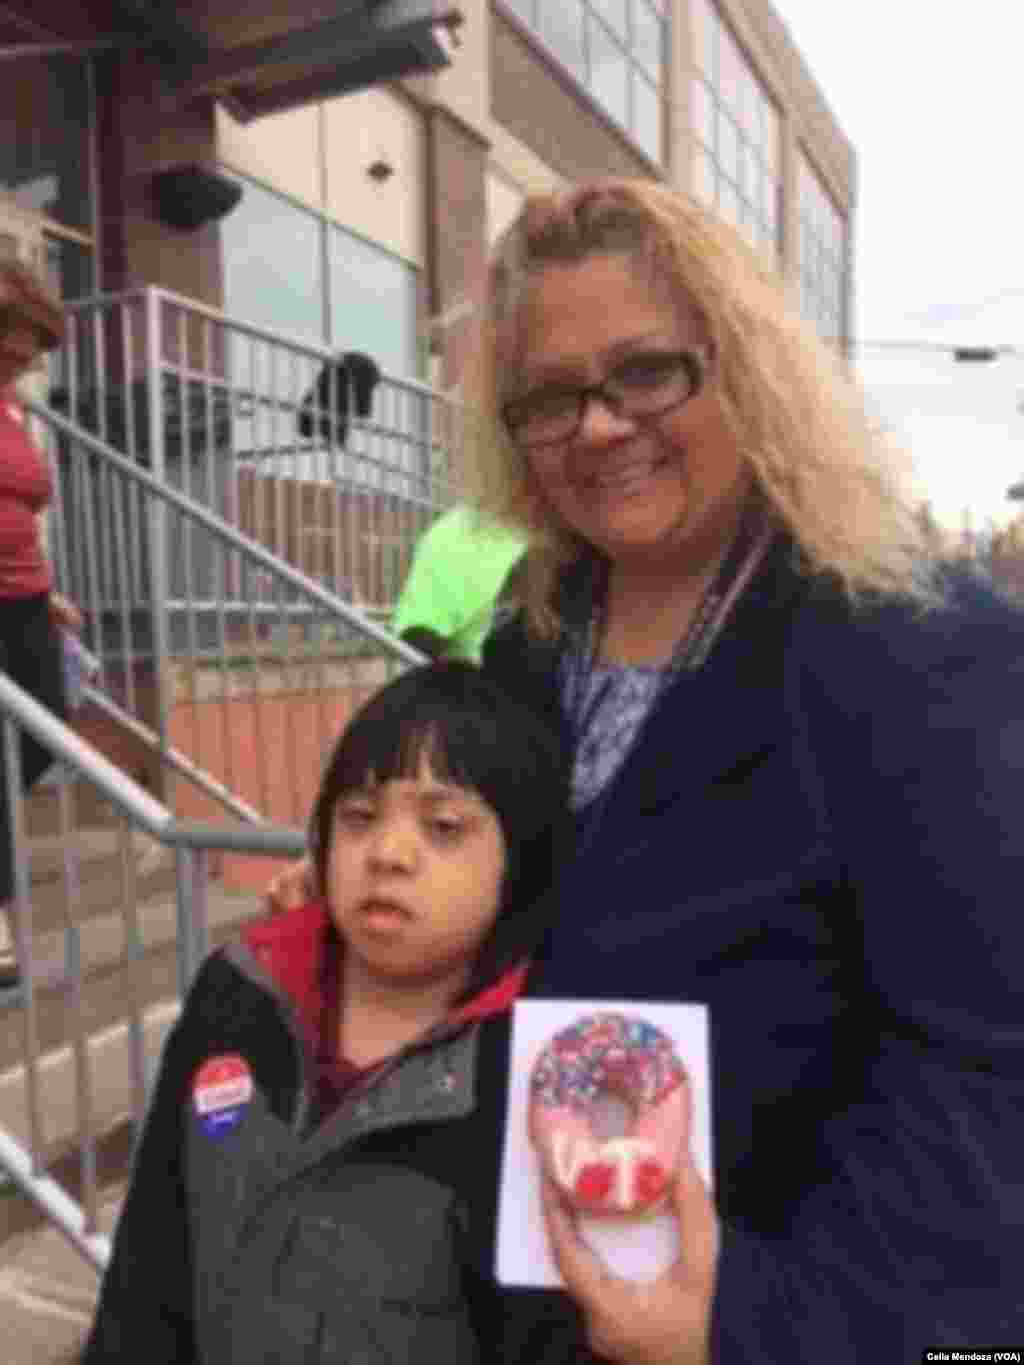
[(364, 215)]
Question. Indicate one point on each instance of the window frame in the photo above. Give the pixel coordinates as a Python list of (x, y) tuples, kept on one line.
[(749, 190), (822, 250), (525, 14), (329, 334)]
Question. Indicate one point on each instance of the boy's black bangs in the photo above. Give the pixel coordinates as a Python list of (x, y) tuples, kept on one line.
[(384, 747)]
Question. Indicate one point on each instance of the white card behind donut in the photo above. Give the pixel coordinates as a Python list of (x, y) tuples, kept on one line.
[(635, 1248)]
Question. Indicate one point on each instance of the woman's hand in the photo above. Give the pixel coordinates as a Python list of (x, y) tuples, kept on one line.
[(64, 613), (292, 887), (665, 1322)]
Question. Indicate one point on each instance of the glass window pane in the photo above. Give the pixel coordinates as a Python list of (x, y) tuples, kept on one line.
[(822, 263), (647, 122), (752, 99), (648, 39), (613, 12), (272, 264), (609, 73), (751, 173), (752, 122), (730, 71), (561, 27), (373, 303), (44, 146), (728, 147)]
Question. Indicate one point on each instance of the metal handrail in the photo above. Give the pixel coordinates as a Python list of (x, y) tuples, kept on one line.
[(19, 708), (69, 748), (227, 534), (170, 757), (237, 325)]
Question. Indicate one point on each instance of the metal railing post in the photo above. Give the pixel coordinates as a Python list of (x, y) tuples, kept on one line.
[(157, 519), (21, 932), (192, 882), (201, 904)]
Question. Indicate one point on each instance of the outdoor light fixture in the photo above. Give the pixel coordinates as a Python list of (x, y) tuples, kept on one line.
[(380, 170), (188, 197)]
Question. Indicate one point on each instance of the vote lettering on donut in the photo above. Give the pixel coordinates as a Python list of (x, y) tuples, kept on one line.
[(624, 1057)]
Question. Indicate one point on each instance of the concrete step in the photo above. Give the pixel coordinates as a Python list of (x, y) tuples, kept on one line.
[(43, 804), (100, 863), (111, 989), (110, 981), (48, 1292)]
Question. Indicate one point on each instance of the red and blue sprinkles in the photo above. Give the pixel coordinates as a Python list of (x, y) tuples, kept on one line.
[(606, 1054)]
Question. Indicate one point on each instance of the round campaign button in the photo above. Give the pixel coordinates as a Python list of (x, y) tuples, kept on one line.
[(221, 1091)]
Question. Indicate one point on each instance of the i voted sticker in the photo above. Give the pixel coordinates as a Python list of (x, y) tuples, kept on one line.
[(221, 1092)]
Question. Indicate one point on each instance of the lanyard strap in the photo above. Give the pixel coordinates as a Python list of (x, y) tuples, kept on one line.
[(753, 539), (749, 546)]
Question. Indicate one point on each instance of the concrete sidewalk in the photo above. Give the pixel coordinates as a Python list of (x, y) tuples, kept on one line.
[(47, 1294)]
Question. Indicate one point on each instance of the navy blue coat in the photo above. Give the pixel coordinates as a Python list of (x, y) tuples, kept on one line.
[(821, 836)]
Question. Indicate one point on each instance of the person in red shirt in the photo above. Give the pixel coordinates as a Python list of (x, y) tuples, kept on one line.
[(31, 321)]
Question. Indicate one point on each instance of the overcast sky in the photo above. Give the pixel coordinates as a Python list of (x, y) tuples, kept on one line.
[(930, 96)]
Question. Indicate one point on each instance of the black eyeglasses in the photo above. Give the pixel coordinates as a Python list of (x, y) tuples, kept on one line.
[(644, 386)]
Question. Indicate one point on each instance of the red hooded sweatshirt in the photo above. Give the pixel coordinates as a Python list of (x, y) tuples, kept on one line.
[(295, 950)]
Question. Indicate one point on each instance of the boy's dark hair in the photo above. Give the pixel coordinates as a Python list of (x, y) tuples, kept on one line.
[(473, 734)]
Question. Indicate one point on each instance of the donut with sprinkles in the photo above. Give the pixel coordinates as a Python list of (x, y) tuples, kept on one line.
[(626, 1058)]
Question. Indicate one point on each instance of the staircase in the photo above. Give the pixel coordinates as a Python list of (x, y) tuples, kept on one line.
[(114, 864)]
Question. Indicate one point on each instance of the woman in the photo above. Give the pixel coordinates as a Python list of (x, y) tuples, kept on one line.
[(31, 321), (798, 767)]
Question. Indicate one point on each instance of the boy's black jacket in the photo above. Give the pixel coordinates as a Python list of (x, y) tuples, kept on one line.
[(368, 1239)]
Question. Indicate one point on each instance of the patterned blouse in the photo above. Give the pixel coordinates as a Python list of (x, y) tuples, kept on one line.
[(615, 700)]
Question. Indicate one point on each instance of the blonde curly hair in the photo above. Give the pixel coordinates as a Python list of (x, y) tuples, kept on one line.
[(827, 470)]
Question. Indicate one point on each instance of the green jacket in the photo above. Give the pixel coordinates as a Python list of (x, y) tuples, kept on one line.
[(459, 567)]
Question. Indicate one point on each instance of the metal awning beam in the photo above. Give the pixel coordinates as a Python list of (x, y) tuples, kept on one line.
[(333, 44), (359, 73)]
